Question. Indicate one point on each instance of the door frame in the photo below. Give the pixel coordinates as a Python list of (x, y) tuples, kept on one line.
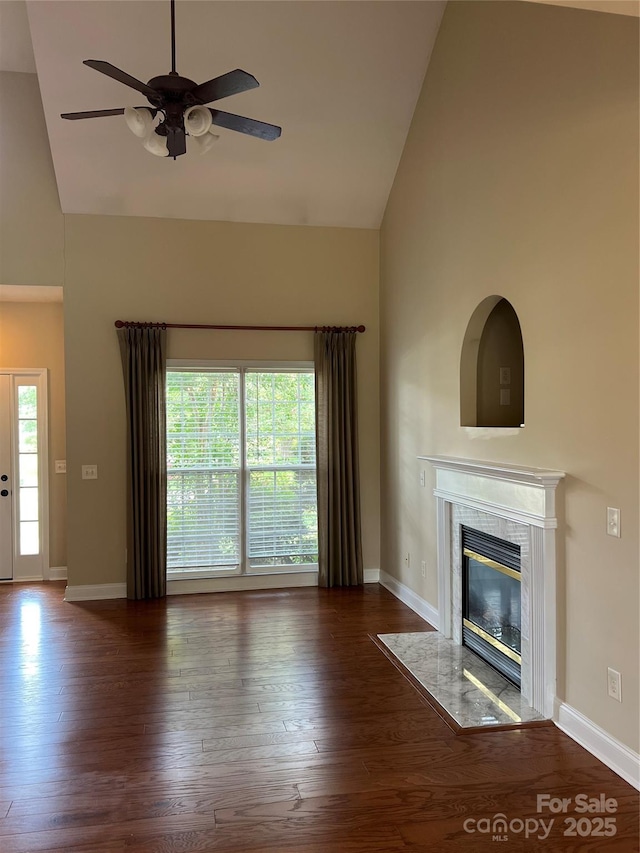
[(31, 567)]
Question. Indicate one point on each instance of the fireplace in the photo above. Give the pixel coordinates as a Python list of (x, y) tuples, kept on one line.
[(515, 504), (491, 601)]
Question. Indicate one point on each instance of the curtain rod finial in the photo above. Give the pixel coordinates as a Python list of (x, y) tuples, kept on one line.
[(360, 328), (119, 324)]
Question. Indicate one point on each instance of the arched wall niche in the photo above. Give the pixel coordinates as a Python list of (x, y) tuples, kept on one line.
[(492, 367)]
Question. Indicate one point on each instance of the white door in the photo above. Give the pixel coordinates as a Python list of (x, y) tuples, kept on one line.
[(23, 475), (6, 481)]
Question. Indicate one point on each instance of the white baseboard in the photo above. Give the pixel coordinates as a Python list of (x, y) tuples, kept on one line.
[(29, 579), (238, 583), (95, 592), (418, 604), (188, 586), (57, 573), (618, 757)]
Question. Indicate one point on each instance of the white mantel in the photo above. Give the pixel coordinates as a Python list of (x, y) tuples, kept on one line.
[(516, 503)]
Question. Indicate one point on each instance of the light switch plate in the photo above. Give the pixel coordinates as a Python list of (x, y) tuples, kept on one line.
[(613, 521), (61, 466), (89, 472)]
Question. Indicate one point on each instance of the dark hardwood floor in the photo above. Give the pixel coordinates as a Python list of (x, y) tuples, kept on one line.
[(266, 722)]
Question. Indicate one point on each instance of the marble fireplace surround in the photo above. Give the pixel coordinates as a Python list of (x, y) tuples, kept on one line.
[(517, 504)]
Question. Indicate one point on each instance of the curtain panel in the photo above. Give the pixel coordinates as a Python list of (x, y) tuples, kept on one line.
[(339, 538), (143, 352)]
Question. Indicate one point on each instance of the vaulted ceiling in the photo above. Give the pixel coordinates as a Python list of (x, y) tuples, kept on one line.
[(341, 78)]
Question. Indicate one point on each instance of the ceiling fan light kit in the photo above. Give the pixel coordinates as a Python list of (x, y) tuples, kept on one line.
[(139, 121), (205, 143), (180, 103), (197, 121), (156, 144)]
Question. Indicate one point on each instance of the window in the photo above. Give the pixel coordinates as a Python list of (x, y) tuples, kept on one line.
[(28, 503), (241, 477)]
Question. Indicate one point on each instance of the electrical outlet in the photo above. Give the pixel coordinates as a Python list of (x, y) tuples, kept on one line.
[(89, 472), (614, 684), (423, 566), (505, 375), (407, 559), (61, 466), (613, 521)]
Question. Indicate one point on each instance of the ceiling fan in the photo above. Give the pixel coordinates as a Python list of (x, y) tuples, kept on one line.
[(180, 102)]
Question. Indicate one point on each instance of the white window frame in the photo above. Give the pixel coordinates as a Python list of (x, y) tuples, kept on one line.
[(241, 366)]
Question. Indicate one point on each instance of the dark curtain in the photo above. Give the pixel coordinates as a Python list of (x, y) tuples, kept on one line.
[(339, 541), (143, 352)]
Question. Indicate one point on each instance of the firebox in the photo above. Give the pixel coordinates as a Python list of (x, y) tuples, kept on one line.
[(491, 596)]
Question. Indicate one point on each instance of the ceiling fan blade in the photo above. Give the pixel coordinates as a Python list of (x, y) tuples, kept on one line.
[(176, 141), (245, 125), (99, 113), (92, 114), (231, 83), (121, 76)]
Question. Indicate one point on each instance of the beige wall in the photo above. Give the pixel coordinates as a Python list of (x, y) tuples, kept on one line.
[(520, 178), (32, 335), (31, 224), (199, 272)]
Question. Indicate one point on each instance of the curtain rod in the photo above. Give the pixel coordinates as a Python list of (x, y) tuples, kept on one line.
[(130, 324)]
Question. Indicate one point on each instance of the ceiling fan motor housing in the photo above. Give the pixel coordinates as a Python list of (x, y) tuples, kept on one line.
[(173, 96)]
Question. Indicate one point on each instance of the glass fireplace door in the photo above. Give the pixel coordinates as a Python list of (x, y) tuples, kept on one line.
[(492, 612)]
